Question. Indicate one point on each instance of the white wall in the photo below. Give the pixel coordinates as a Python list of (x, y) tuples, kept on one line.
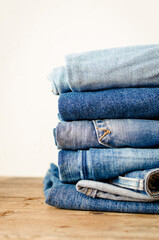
[(34, 37)]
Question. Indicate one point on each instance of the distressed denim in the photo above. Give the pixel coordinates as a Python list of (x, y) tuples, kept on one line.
[(132, 103), (134, 186), (66, 196), (105, 163), (134, 66), (77, 135)]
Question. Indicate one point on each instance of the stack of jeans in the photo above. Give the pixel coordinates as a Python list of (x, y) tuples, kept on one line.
[(109, 131)]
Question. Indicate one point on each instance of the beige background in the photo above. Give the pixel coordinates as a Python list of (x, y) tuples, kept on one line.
[(35, 36)]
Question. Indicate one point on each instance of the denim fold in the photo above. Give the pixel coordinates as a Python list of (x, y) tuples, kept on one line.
[(66, 196), (129, 103), (134, 186), (101, 164), (132, 66), (84, 134), (145, 181)]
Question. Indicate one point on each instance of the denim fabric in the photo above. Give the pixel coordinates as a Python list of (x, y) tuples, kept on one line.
[(66, 196), (142, 103), (146, 181), (97, 189), (76, 135), (109, 68), (134, 186), (101, 164)]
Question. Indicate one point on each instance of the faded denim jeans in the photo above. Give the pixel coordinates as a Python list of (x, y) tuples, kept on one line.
[(133, 186), (77, 135), (134, 66), (105, 163), (132, 103), (66, 196)]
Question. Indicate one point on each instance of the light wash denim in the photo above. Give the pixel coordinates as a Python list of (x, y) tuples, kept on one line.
[(134, 186), (66, 196), (146, 181), (104, 163), (132, 103), (134, 66), (77, 135)]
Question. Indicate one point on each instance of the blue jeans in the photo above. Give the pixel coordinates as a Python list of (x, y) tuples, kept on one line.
[(104, 163), (133, 103), (76, 135), (145, 181), (133, 186), (136, 66), (66, 196)]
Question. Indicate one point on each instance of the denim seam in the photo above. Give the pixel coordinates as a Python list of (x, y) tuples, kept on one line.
[(139, 183), (98, 133), (148, 175), (94, 193), (84, 164), (102, 137), (91, 192)]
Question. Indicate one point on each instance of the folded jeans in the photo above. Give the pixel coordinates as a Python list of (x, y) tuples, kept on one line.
[(66, 196), (133, 186), (134, 66), (78, 135), (104, 163), (144, 181), (132, 103)]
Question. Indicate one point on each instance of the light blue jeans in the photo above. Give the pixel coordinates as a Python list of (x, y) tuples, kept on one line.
[(133, 186), (145, 181), (66, 196), (105, 163), (134, 66), (78, 135)]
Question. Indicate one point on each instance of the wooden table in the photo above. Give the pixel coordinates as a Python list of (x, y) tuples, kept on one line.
[(24, 215)]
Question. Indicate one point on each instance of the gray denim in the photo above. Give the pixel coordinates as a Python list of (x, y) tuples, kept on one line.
[(140, 189)]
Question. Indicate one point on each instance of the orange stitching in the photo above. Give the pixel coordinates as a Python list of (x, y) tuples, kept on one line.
[(106, 132)]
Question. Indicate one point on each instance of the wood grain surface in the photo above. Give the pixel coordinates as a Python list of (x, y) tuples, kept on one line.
[(24, 215)]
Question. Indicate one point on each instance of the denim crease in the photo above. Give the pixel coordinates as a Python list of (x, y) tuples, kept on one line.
[(143, 186)]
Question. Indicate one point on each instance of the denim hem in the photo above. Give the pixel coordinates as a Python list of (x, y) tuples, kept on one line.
[(54, 87), (55, 135), (147, 184), (131, 183)]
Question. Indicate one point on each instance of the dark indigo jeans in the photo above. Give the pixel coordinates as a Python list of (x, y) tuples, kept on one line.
[(66, 196), (133, 103)]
